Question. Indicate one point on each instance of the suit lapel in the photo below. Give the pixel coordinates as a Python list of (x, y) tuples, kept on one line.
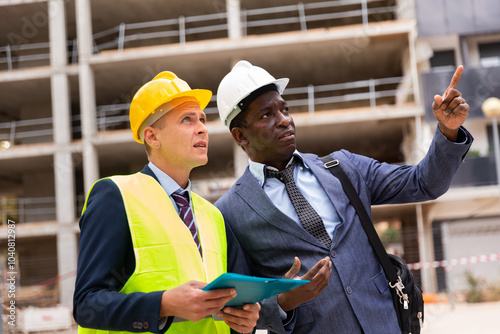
[(252, 193)]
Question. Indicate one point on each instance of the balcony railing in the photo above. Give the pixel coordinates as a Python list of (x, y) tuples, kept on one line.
[(297, 17), (364, 93), (38, 130), (368, 93), (18, 131), (171, 30), (253, 21), (34, 54), (31, 209)]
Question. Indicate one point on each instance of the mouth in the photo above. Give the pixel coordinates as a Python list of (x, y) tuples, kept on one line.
[(287, 134), (201, 144)]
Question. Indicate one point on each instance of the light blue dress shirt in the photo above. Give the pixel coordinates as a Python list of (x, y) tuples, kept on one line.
[(308, 185), (170, 186)]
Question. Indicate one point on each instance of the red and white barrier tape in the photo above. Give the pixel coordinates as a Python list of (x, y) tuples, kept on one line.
[(455, 262)]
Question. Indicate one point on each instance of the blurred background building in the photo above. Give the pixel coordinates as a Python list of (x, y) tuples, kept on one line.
[(363, 74)]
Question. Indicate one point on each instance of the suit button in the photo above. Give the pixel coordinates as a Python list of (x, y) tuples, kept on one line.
[(348, 290), (332, 253), (137, 325), (145, 325)]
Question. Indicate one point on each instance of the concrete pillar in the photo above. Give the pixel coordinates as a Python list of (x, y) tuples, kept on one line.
[(412, 41), (89, 131), (240, 157), (87, 93), (57, 33), (240, 160), (65, 212), (63, 161), (426, 251), (84, 28), (233, 19), (405, 10)]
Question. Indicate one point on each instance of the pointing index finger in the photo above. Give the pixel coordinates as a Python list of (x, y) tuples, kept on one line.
[(456, 77)]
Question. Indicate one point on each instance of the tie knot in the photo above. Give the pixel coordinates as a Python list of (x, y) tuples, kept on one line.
[(285, 175), (180, 199)]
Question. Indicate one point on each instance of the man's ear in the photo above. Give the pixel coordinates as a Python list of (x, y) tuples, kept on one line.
[(239, 137), (150, 137)]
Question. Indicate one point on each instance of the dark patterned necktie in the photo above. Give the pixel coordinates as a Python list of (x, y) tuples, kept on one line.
[(186, 215), (309, 218)]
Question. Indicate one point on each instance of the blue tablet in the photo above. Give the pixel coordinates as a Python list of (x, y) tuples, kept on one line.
[(252, 289)]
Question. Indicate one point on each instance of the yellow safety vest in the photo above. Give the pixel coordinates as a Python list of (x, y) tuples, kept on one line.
[(166, 255)]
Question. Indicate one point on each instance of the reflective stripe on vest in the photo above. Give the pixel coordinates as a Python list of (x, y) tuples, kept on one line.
[(165, 253)]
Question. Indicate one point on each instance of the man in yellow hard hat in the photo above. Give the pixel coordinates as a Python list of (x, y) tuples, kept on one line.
[(148, 245)]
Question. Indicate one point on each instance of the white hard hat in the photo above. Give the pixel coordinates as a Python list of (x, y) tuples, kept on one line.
[(238, 84)]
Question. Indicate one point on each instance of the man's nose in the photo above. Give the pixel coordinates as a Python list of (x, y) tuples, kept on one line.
[(202, 128), (283, 120)]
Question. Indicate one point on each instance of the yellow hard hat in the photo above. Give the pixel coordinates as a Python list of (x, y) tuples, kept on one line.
[(164, 88)]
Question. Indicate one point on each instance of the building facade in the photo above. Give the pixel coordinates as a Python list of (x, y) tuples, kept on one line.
[(362, 76)]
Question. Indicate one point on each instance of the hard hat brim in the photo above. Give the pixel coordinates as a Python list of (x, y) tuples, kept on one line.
[(280, 85), (203, 96)]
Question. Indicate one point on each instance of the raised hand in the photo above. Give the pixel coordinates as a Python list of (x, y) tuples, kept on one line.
[(319, 275), (451, 109)]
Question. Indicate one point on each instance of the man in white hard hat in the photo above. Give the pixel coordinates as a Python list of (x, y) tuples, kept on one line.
[(148, 244), (278, 212)]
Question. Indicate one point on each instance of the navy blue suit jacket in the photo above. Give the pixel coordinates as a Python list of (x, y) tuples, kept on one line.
[(357, 298), (105, 262)]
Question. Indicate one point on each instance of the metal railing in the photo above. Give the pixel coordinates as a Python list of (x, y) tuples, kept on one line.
[(9, 130), (303, 14), (23, 210), (364, 93), (164, 29), (34, 53), (31, 209), (112, 116), (39, 130), (343, 95), (288, 18), (310, 98), (297, 17)]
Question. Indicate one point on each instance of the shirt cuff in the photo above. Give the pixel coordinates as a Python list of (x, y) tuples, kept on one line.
[(164, 323), (462, 137), (286, 317)]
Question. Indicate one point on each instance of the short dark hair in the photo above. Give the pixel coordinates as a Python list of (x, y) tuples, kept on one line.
[(239, 120), (158, 124), (244, 103)]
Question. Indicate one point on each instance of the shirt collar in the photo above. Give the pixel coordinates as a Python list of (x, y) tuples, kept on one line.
[(257, 168), (167, 183)]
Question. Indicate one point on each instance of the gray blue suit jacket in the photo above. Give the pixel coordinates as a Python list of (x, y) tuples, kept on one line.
[(357, 298)]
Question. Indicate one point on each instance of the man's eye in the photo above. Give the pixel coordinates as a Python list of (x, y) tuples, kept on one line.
[(186, 119), (202, 120), (266, 115)]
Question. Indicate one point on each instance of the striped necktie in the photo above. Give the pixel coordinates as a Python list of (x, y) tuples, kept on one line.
[(186, 215), (309, 218)]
